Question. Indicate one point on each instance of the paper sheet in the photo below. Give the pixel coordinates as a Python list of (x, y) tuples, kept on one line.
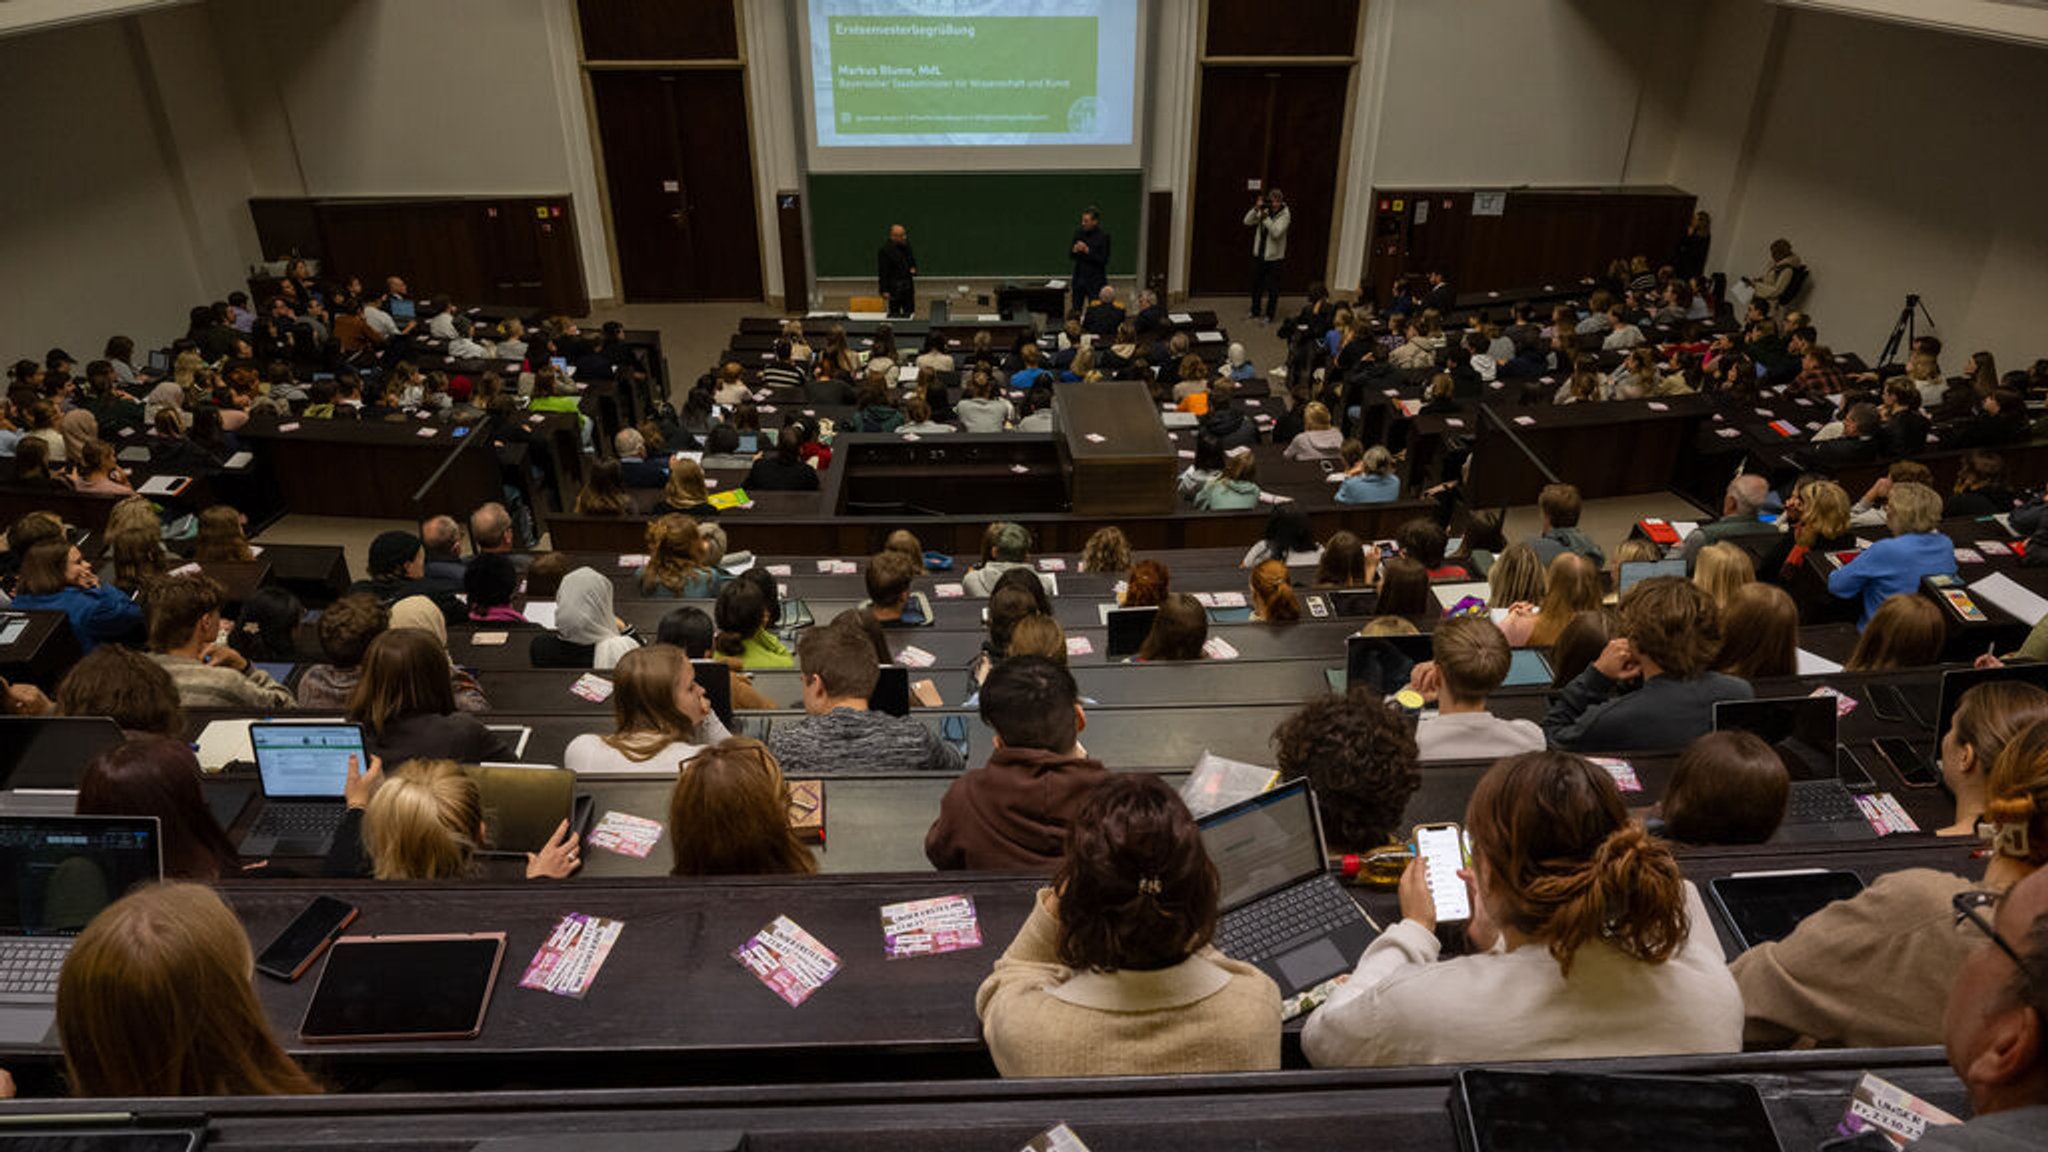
[(2011, 597), (1808, 664), (1217, 782), (541, 612)]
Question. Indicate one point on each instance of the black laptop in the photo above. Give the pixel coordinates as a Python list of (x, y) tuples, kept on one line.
[(52, 751), (716, 677), (1801, 729), (1382, 663), (1282, 908), (1128, 628)]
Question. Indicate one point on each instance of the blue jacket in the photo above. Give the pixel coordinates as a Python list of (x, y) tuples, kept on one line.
[(1366, 488), (97, 616), (1892, 566)]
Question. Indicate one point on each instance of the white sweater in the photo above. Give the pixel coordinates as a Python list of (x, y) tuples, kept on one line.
[(1403, 1007)]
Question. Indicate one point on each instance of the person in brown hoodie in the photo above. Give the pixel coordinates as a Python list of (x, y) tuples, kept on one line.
[(1012, 813)]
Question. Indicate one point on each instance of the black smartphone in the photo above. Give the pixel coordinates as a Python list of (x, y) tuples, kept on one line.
[(1849, 767), (1912, 767), (305, 938), (1884, 700)]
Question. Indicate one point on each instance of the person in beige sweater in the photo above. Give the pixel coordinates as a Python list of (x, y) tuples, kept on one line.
[(1875, 970), (1589, 943), (1113, 974)]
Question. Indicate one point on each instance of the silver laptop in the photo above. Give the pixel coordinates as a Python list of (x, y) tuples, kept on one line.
[(61, 870), (304, 770), (1281, 907)]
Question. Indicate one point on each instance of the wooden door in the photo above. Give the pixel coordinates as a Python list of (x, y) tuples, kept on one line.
[(680, 177), (1282, 126)]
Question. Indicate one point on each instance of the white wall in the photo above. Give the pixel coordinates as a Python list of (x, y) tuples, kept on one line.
[(1896, 160), (103, 233)]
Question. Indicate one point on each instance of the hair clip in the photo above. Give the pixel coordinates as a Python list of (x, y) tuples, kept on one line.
[(2006, 838), (1149, 885)]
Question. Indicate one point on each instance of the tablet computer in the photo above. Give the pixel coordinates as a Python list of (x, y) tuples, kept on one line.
[(1760, 906), (1501, 1111), (433, 987)]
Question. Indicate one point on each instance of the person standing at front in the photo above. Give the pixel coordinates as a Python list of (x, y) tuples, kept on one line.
[(896, 273), (1090, 250), (1268, 219)]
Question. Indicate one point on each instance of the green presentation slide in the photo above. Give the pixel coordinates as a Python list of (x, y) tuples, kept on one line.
[(1013, 75)]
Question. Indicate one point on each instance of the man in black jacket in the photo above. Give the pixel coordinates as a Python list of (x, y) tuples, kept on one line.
[(896, 273), (1440, 295), (1090, 250)]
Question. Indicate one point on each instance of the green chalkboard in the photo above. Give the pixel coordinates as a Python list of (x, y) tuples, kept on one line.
[(978, 224)]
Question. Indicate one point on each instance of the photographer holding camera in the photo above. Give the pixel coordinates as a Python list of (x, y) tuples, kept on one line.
[(1268, 219)]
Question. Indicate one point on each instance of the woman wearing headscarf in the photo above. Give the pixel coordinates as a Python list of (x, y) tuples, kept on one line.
[(165, 395), (422, 614), (79, 428), (588, 634)]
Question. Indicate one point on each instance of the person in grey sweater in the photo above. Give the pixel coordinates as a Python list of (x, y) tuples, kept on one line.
[(1670, 630), (840, 733)]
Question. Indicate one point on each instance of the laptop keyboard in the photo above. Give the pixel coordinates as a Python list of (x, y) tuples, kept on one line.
[(1824, 804), (1284, 919), (31, 966), (299, 821)]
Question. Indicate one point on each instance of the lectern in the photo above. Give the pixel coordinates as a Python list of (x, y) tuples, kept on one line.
[(1114, 449)]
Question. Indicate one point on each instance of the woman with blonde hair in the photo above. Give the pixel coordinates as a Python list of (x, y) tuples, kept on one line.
[(220, 536), (156, 999), (136, 556), (1587, 941), (729, 815), (135, 512), (1907, 631), (1820, 511), (675, 560), (425, 821), (1570, 586), (1722, 567), (1759, 633), (1516, 577), (1107, 552), (660, 714), (1272, 596), (1038, 635), (686, 492)]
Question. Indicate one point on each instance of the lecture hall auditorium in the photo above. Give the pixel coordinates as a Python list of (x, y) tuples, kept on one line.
[(1056, 575)]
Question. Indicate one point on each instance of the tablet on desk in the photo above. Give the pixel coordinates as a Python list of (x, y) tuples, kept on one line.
[(404, 988), (1761, 906)]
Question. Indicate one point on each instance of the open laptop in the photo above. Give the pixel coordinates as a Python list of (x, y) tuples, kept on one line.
[(891, 696), (1957, 681), (1383, 663), (1635, 572), (1128, 628), (303, 769), (402, 308), (52, 751), (523, 805), (1281, 907), (1801, 729), (61, 870), (716, 677)]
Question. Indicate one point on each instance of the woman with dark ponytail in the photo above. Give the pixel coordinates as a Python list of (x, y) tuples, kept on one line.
[(1113, 974), (1582, 930)]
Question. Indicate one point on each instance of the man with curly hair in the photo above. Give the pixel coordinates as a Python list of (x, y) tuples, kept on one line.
[(1359, 755)]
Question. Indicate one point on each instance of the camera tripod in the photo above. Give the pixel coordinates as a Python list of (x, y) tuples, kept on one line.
[(1904, 331)]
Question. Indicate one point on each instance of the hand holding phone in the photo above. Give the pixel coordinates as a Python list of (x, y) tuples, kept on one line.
[(1440, 853)]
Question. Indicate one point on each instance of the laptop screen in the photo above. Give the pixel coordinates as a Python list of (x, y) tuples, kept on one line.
[(52, 751), (306, 761), (1264, 844), (1382, 663), (1527, 666), (63, 869), (891, 696), (1958, 681), (1636, 571), (403, 309), (1128, 628), (1801, 729)]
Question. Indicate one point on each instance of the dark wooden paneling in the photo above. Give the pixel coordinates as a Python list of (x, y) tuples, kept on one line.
[(1281, 125), (1295, 28), (1543, 236), (680, 175), (789, 230), (1158, 238), (659, 29), (514, 252)]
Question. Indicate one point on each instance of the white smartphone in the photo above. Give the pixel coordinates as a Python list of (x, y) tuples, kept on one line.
[(1442, 849)]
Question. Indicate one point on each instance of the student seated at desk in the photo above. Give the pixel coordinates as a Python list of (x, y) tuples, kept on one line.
[(1728, 788), (1179, 631), (1013, 812), (1515, 577), (743, 617), (398, 566), (588, 633), (660, 713), (1759, 633), (1723, 567), (1589, 942), (1740, 504), (1908, 631), (184, 626), (425, 821), (136, 557), (1271, 595), (1004, 546), (1223, 420), (117, 682), (151, 775), (1317, 441), (1359, 755), (419, 614), (1114, 974), (676, 567), (55, 577), (1288, 537), (1368, 475), (490, 582), (1670, 631), (1470, 658), (784, 469), (729, 815), (1916, 549), (1346, 562), (839, 674), (1559, 507), (407, 706), (1423, 541), (156, 999), (1403, 585), (1875, 969), (888, 579)]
